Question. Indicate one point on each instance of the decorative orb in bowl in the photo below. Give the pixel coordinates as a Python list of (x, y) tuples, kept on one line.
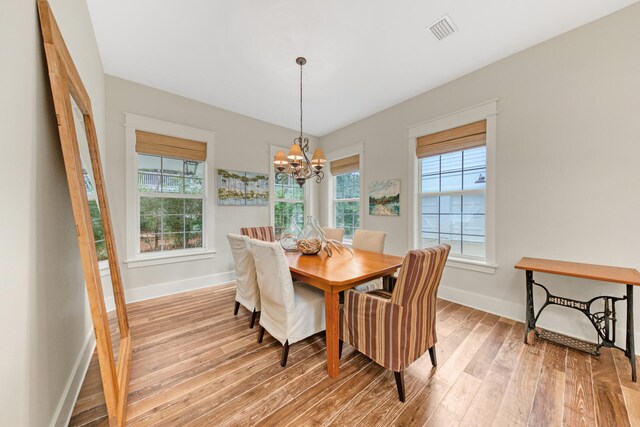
[(309, 246)]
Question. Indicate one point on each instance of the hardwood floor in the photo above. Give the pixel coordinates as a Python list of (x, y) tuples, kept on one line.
[(194, 363)]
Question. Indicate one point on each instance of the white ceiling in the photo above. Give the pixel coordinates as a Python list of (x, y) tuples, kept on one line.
[(363, 55)]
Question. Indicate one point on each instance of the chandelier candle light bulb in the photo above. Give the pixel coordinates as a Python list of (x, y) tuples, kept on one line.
[(296, 164)]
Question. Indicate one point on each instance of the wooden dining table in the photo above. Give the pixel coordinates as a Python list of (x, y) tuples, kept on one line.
[(335, 274)]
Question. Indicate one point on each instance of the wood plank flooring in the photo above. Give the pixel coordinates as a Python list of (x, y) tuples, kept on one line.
[(195, 364)]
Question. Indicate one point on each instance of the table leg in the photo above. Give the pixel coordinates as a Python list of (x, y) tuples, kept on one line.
[(332, 333), (529, 314), (631, 348)]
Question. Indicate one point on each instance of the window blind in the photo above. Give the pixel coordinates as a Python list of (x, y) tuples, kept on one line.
[(456, 139), (170, 146), (345, 165)]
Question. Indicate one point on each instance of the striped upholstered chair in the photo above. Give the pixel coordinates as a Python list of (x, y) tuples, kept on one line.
[(395, 329), (265, 233)]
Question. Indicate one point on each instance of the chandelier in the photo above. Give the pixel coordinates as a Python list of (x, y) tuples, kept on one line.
[(296, 164)]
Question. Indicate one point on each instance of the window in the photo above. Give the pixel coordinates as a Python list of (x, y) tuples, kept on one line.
[(171, 202), (453, 201), (288, 203), (452, 185), (346, 202)]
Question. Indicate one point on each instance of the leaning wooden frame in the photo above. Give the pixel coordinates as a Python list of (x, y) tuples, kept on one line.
[(66, 84)]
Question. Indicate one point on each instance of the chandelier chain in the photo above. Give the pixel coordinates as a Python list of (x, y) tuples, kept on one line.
[(300, 102)]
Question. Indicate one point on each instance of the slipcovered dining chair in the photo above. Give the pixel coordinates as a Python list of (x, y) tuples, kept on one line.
[(247, 292), (395, 329), (265, 233), (333, 233), (372, 241), (291, 311)]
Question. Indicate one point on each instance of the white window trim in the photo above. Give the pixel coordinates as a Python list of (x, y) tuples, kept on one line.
[(488, 111), (134, 258), (308, 190), (341, 153)]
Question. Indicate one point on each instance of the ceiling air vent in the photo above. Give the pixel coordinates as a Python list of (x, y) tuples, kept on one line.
[(443, 27)]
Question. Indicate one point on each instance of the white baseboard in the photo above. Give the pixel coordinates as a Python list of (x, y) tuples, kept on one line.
[(169, 288), (567, 321), (62, 416)]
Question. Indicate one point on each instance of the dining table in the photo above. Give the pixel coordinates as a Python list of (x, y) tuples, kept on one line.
[(336, 274)]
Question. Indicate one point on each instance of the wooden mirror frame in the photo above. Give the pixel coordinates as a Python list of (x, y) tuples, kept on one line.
[(66, 83)]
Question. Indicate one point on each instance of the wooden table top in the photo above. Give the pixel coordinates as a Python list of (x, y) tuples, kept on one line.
[(342, 270), (604, 273)]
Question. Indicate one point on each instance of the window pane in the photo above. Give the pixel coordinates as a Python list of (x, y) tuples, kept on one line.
[(193, 223), (171, 206), (474, 246), (348, 186), (150, 205), (173, 224), (193, 186), (475, 158), (150, 242), (284, 211), (451, 162), (473, 224), (288, 188), (348, 217), (473, 203), (475, 179), (454, 240), (150, 224), (451, 224), (450, 204), (172, 242), (429, 239), (430, 204), (168, 223), (451, 181), (431, 184), (149, 168), (430, 223), (172, 175), (193, 206), (194, 240), (455, 219)]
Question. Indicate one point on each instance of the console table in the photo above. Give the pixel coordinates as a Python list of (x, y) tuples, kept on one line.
[(603, 321)]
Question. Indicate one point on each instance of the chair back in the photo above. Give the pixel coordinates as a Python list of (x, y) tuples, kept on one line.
[(334, 233), (274, 279), (265, 233), (245, 269), (369, 240), (419, 277), (416, 291)]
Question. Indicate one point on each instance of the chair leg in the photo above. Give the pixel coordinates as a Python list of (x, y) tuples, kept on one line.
[(260, 334), (253, 318), (340, 343), (432, 355), (235, 308), (400, 384), (285, 353)]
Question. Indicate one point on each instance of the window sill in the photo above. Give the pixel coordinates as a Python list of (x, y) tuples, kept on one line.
[(473, 265), (168, 258)]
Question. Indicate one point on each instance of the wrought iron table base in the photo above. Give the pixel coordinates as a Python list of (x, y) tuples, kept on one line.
[(604, 322)]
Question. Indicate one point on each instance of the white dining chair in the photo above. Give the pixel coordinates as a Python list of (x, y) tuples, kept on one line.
[(291, 311), (372, 241), (247, 292), (333, 233)]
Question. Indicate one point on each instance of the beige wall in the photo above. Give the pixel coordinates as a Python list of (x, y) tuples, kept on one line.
[(241, 143), (42, 299), (567, 159)]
